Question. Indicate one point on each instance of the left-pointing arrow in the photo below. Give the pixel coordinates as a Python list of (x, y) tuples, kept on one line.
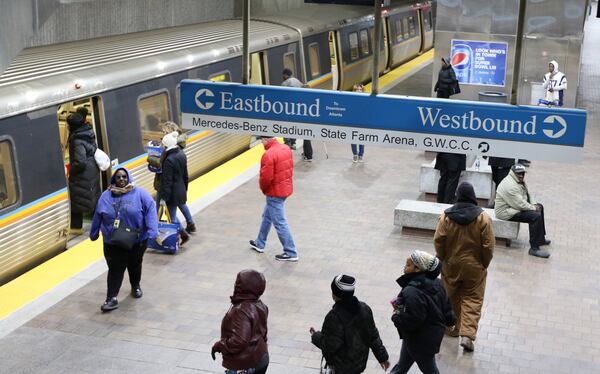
[(201, 97)]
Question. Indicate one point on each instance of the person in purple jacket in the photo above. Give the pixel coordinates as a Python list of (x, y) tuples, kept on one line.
[(124, 204)]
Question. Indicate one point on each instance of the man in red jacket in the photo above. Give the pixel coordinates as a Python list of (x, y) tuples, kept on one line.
[(276, 170)]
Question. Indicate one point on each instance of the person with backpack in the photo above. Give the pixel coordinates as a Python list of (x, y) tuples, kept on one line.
[(349, 331), (422, 312)]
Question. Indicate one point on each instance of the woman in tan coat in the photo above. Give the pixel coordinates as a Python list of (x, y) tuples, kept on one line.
[(464, 242)]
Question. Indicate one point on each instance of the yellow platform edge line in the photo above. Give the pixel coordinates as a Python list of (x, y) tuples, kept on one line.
[(406, 68), (36, 282)]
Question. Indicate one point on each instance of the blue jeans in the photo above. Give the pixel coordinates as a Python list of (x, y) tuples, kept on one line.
[(186, 213), (173, 213), (274, 213), (358, 149)]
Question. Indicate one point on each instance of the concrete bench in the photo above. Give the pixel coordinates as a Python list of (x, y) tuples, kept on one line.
[(424, 215), (481, 179)]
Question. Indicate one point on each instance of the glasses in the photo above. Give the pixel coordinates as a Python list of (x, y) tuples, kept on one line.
[(121, 176)]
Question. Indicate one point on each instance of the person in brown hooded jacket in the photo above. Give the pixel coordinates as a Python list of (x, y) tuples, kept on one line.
[(464, 242), (243, 343)]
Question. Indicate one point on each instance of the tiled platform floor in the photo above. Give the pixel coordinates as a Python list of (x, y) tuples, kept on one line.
[(540, 316)]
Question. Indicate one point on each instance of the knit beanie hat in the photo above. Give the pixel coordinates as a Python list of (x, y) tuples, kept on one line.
[(424, 261), (170, 140), (465, 193), (518, 169), (342, 286)]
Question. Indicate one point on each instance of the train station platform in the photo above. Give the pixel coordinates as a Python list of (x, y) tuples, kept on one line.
[(539, 316)]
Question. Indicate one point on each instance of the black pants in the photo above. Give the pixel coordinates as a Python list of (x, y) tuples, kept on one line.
[(289, 142), (537, 226), (447, 186), (307, 149), (118, 259), (498, 174), (76, 220), (426, 363)]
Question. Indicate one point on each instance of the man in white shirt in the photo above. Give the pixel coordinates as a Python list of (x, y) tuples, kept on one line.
[(555, 84)]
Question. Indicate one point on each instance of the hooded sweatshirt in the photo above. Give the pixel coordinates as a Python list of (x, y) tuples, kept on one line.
[(137, 210), (464, 238), (558, 82), (244, 328)]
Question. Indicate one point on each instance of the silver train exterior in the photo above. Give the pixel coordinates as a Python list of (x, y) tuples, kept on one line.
[(126, 80)]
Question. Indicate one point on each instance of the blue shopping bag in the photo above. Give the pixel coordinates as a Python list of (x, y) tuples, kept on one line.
[(167, 240)]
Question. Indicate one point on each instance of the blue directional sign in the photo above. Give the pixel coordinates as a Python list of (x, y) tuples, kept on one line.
[(417, 123)]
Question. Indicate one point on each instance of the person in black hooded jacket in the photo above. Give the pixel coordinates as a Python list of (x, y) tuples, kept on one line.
[(464, 241), (349, 331), (84, 175), (421, 313), (447, 84)]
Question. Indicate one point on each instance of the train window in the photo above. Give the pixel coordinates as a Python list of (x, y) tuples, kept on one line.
[(353, 39), (153, 111), (412, 26), (399, 35), (315, 61), (364, 42), (289, 62), (224, 76), (405, 27), (8, 180)]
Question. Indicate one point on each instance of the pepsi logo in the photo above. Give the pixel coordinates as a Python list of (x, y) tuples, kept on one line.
[(460, 60)]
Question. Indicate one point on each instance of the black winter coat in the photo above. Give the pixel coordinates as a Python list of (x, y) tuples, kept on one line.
[(501, 162), (174, 178), (450, 161), (423, 312), (447, 83), (347, 335), (84, 175)]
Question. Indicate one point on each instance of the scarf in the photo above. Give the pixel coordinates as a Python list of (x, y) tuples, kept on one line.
[(118, 191)]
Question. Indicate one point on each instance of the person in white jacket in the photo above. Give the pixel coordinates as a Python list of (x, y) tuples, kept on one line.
[(555, 84)]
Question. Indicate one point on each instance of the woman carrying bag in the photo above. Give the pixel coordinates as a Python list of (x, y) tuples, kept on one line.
[(126, 215)]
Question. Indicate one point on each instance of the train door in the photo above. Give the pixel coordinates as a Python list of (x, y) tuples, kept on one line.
[(256, 68), (93, 106), (335, 60), (423, 24)]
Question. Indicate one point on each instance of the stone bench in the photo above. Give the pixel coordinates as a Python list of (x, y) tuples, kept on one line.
[(481, 179), (424, 215)]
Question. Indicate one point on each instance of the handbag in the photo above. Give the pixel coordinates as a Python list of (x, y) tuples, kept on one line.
[(123, 236), (167, 240), (325, 368), (102, 159), (456, 88)]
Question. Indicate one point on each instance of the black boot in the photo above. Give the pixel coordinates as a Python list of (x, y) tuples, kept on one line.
[(184, 237), (190, 228)]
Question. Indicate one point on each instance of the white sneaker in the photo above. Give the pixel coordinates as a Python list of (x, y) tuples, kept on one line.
[(355, 158), (360, 159)]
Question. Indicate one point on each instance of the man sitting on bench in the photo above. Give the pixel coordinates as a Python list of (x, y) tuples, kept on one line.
[(514, 203)]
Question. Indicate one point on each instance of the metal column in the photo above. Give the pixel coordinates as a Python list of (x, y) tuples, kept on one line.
[(376, 50), (245, 48)]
